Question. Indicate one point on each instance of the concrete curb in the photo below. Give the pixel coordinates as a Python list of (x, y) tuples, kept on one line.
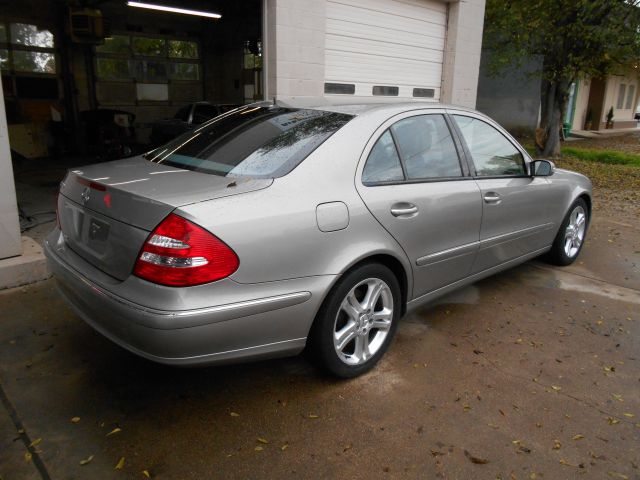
[(30, 267)]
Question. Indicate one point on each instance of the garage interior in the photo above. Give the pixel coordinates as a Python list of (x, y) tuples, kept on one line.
[(87, 81)]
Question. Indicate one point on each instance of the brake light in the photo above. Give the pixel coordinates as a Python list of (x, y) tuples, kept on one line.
[(179, 253)]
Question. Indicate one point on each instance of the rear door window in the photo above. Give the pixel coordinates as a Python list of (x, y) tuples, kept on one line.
[(426, 147), (260, 142)]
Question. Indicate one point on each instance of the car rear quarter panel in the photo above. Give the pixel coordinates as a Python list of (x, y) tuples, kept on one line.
[(274, 231)]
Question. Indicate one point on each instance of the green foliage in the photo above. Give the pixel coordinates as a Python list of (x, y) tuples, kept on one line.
[(574, 37), (603, 156), (610, 115)]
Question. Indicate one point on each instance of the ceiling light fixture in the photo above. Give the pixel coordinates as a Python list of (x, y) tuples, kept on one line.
[(164, 8)]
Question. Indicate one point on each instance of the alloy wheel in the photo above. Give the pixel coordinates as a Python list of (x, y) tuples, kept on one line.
[(574, 233), (363, 321)]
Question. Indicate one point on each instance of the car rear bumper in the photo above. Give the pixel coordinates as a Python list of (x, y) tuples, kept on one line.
[(261, 326)]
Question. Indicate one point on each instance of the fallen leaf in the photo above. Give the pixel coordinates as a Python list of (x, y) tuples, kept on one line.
[(146, 473), (578, 437), (263, 440), (258, 448), (618, 475), (120, 464), (75, 419), (114, 431), (311, 415), (284, 447), (37, 441), (27, 456), (556, 445), (234, 414), (86, 460), (556, 388), (618, 397), (613, 421), (564, 462), (629, 415), (474, 459)]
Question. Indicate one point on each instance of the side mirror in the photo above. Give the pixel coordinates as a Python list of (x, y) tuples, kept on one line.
[(541, 168)]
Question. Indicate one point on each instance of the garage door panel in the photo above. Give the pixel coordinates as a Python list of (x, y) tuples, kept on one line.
[(349, 30), (367, 17), (385, 42), (396, 74), (425, 10), (338, 44)]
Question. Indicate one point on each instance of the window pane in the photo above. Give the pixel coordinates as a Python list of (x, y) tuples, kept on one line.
[(630, 97), (26, 34), (383, 164), (3, 33), (184, 71), (426, 147), (113, 68), (183, 113), (150, 71), (621, 93), (263, 142), (38, 62), (183, 49), (149, 47), (4, 59), (492, 153), (204, 112), (115, 44)]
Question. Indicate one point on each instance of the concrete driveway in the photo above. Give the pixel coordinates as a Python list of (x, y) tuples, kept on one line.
[(534, 373)]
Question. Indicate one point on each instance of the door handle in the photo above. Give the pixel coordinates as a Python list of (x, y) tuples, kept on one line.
[(403, 209), (492, 197)]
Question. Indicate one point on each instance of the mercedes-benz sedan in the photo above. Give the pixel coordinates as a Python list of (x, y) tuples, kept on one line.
[(270, 229)]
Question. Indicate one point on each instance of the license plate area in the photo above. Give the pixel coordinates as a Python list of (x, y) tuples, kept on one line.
[(97, 235)]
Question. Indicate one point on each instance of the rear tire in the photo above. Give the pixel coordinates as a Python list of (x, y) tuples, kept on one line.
[(571, 236), (357, 321)]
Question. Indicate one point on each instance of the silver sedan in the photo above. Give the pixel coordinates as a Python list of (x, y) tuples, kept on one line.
[(272, 229)]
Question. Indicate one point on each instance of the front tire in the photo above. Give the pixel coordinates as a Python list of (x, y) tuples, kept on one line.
[(570, 238), (357, 321)]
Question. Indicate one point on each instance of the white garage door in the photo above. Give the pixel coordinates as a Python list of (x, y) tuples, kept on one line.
[(385, 47)]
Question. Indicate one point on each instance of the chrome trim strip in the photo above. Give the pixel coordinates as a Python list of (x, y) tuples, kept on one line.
[(274, 303), (447, 254), (438, 292), (507, 237)]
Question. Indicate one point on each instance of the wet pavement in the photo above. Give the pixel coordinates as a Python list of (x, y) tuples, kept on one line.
[(533, 373)]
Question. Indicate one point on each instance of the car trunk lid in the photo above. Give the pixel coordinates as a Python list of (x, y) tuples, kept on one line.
[(106, 211)]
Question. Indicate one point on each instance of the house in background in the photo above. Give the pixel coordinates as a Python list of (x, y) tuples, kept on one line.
[(592, 98), (513, 98)]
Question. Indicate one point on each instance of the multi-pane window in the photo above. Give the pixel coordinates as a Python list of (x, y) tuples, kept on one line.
[(25, 48), (147, 59), (631, 93), (621, 95)]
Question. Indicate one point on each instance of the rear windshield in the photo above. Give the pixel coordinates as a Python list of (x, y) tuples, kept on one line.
[(261, 142)]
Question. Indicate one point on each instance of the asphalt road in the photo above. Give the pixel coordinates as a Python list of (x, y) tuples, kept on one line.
[(533, 373)]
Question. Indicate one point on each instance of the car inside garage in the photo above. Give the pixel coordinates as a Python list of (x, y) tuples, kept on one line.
[(95, 81)]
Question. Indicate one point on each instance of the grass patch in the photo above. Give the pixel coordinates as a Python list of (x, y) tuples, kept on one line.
[(603, 156)]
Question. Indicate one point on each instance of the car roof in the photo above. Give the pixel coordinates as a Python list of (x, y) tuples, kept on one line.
[(359, 109)]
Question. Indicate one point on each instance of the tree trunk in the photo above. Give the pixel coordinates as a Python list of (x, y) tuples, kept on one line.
[(554, 96)]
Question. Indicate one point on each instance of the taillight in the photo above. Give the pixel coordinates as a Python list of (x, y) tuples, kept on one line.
[(179, 253)]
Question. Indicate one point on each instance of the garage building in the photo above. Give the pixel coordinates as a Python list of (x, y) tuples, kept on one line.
[(150, 59)]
